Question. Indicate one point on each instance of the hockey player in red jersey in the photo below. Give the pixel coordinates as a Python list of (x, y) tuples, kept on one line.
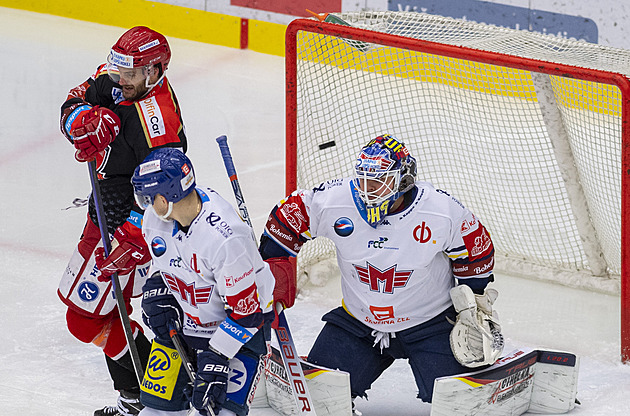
[(414, 266), (117, 117)]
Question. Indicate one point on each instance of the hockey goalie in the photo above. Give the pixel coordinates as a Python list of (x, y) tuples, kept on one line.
[(415, 267)]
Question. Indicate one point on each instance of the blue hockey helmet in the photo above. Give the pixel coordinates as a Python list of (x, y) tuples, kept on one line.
[(384, 170), (166, 171)]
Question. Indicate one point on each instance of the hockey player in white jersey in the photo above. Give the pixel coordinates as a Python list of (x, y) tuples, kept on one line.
[(209, 279), (414, 265)]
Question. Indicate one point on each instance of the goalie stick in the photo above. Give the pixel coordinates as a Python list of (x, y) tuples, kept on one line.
[(290, 357), (122, 309)]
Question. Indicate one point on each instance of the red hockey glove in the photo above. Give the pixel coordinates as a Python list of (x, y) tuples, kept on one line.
[(129, 252), (286, 284), (93, 130)]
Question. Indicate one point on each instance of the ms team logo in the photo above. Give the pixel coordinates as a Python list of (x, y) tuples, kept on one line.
[(344, 227), (158, 246), (189, 293), (384, 281)]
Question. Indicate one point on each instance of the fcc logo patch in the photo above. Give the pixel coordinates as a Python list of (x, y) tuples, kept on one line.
[(158, 246), (344, 227)]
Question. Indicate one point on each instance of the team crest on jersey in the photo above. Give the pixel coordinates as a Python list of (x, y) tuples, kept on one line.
[(344, 227), (384, 281), (188, 292), (158, 246)]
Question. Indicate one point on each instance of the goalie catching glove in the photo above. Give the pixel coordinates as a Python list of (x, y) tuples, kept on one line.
[(476, 338)]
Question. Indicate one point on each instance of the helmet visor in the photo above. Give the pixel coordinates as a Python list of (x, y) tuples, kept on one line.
[(143, 201), (130, 76)]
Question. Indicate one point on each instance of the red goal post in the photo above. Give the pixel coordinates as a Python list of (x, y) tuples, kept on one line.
[(537, 141)]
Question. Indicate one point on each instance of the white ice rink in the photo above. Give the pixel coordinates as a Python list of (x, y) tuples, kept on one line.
[(45, 371)]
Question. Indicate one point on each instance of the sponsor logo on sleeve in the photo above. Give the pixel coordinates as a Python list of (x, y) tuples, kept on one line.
[(294, 216), (478, 242), (152, 117), (245, 302)]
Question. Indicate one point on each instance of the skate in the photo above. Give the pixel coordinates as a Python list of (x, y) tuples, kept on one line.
[(128, 405)]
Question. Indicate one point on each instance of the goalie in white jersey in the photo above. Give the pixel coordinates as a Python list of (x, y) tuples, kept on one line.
[(208, 278), (410, 257)]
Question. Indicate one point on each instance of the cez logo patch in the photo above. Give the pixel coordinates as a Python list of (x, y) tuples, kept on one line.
[(344, 227), (158, 246)]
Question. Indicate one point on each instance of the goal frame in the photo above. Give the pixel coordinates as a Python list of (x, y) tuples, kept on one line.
[(484, 57)]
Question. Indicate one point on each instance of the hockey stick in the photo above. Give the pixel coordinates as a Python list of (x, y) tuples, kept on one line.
[(174, 334), (290, 357), (107, 247)]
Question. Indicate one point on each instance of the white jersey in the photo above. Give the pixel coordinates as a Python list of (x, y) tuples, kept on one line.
[(398, 274), (213, 266)]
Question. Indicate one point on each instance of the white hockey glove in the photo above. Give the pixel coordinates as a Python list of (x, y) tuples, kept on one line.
[(476, 338)]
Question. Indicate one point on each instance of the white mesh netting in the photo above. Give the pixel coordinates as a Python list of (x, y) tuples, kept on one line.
[(548, 190)]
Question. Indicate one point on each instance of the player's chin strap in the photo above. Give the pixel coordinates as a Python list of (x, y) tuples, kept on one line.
[(151, 86), (168, 212)]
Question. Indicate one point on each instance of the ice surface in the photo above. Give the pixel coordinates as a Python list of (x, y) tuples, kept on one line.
[(45, 371)]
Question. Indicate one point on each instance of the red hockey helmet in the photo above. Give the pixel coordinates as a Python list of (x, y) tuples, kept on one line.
[(139, 47)]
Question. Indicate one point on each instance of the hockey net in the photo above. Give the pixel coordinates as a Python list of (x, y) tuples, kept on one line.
[(529, 131)]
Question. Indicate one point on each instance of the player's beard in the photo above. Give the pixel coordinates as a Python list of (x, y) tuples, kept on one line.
[(134, 92)]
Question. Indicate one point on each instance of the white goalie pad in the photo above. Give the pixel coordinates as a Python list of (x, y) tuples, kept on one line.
[(534, 381), (329, 389), (476, 338)]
